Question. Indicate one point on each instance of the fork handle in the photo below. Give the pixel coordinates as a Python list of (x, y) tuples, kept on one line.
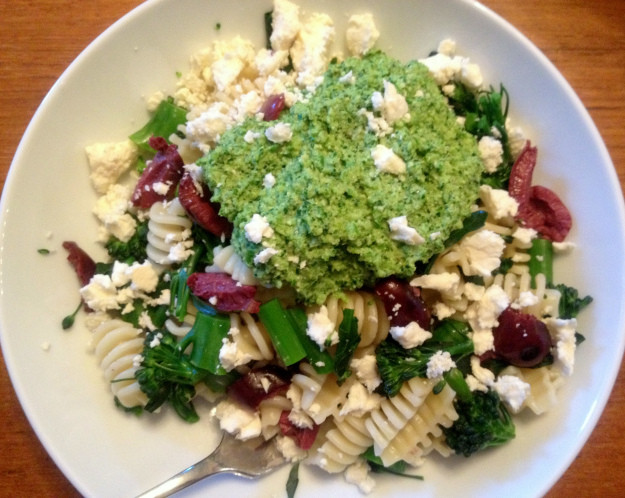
[(196, 472)]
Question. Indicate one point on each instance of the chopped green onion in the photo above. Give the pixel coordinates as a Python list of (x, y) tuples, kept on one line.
[(320, 360), (207, 335), (282, 332), (541, 260)]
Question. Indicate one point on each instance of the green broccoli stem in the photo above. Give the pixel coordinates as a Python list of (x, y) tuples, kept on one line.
[(455, 379), (541, 260), (206, 336)]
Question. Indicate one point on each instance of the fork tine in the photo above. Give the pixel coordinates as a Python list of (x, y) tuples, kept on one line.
[(250, 458)]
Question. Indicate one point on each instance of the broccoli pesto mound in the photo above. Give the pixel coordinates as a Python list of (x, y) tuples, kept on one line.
[(329, 208)]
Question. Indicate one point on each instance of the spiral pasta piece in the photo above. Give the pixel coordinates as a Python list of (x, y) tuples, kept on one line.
[(226, 260), (270, 410), (320, 393), (343, 444), (116, 344), (169, 229), (249, 336), (416, 438), (373, 322), (544, 384), (406, 422)]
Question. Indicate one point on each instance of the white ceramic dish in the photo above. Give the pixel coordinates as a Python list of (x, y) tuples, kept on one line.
[(48, 199)]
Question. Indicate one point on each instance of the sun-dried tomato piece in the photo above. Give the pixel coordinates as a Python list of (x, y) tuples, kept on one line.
[(223, 292), (539, 207), (200, 208), (160, 178), (272, 107), (520, 183), (304, 437), (83, 264), (547, 214)]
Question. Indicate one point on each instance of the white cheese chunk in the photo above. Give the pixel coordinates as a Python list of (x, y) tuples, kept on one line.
[(439, 363), (279, 133), (387, 161), (320, 328), (108, 161), (512, 390), (361, 34), (257, 229), (401, 232), (410, 336)]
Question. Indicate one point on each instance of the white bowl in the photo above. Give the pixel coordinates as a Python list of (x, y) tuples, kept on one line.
[(48, 199)]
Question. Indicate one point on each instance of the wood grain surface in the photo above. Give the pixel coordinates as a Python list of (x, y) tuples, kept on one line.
[(38, 40)]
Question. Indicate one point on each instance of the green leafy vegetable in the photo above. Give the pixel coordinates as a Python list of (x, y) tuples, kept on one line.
[(397, 364), (69, 320), (167, 375), (293, 480), (570, 302), (398, 468), (165, 121), (486, 112), (320, 360), (348, 342), (134, 249)]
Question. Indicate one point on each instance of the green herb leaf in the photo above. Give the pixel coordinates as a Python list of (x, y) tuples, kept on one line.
[(348, 342), (69, 320), (292, 481)]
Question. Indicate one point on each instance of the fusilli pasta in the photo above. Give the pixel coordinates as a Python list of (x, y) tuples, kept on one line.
[(116, 344)]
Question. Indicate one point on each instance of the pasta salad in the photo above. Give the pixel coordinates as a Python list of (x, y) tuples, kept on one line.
[(341, 252)]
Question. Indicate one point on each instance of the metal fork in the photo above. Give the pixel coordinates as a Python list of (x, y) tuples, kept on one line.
[(250, 458)]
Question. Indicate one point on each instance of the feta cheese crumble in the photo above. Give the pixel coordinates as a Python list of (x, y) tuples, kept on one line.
[(361, 33), (439, 363), (279, 133), (401, 232), (410, 336), (387, 161), (257, 229), (320, 328)]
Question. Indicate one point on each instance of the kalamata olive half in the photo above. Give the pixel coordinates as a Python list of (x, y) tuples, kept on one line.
[(403, 303), (272, 107), (260, 384), (521, 339)]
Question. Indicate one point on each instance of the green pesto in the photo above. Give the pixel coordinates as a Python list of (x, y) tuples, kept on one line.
[(330, 206)]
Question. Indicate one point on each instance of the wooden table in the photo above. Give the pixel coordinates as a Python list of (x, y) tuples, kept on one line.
[(39, 38)]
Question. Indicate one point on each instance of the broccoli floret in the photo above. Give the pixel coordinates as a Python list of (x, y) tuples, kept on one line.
[(570, 302), (483, 422), (168, 375), (134, 249), (397, 364)]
